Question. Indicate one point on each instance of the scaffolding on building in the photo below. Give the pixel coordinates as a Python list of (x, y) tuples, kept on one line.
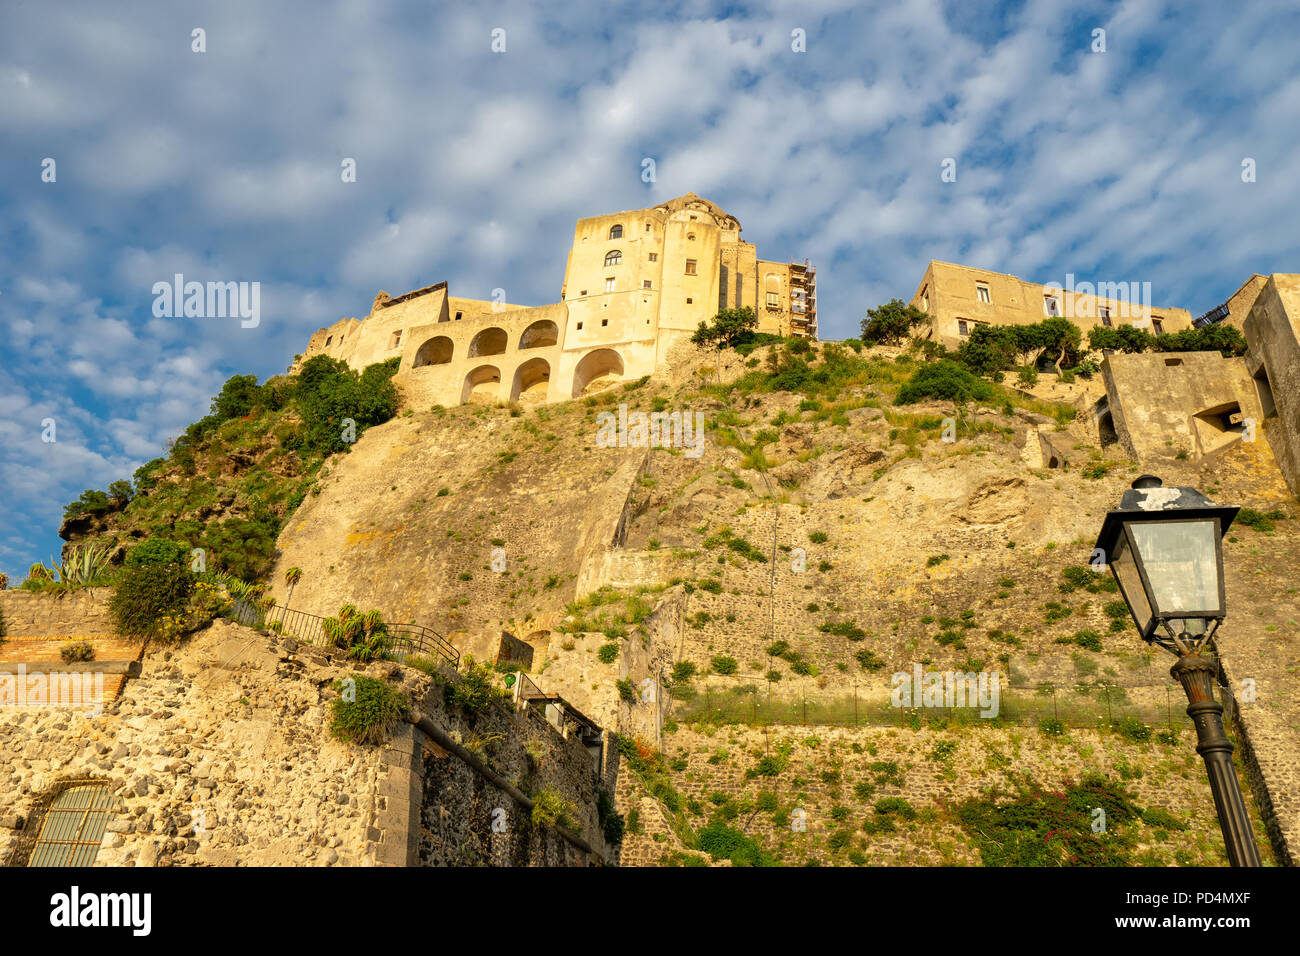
[(803, 299)]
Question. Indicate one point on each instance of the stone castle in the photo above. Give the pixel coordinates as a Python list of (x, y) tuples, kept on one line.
[(637, 283)]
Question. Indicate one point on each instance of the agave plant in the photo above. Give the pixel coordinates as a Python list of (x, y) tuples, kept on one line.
[(84, 566), (363, 636)]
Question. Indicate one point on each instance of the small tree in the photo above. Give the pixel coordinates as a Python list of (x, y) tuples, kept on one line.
[(892, 322), (291, 578), (731, 327), (1061, 336)]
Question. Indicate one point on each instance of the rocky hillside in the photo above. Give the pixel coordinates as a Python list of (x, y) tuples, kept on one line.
[(230, 480), (824, 538)]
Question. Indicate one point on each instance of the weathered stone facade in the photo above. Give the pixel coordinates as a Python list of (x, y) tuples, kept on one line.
[(961, 297), (636, 285), (220, 754)]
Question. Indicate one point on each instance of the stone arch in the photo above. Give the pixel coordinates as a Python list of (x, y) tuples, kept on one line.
[(597, 370), (434, 351), (540, 334), (491, 341), (483, 384), (532, 381)]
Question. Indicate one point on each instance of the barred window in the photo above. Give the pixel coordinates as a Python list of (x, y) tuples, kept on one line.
[(74, 826)]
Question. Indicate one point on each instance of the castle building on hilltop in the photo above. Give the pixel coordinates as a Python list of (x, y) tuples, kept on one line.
[(959, 298), (636, 284)]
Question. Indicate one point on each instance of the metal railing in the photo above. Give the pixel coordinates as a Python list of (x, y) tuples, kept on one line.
[(404, 639)]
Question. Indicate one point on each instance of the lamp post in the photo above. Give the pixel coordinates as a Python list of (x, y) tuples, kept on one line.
[(1164, 546)]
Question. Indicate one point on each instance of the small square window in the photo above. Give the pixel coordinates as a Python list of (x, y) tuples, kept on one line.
[(583, 292), (645, 283), (982, 293), (604, 322), (654, 257), (579, 326), (691, 266), (458, 315), (689, 300)]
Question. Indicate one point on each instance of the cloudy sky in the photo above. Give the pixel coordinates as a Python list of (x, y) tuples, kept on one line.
[(472, 166)]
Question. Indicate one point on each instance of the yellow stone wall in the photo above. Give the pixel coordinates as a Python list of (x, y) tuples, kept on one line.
[(950, 293), (618, 317)]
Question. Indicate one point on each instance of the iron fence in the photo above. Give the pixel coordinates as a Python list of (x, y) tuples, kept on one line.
[(405, 640), (1080, 705)]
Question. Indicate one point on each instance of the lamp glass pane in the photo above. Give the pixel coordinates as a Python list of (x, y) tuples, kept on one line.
[(1191, 626), (1130, 582), (1181, 563)]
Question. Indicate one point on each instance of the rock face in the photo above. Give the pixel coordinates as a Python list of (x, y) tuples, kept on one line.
[(220, 754)]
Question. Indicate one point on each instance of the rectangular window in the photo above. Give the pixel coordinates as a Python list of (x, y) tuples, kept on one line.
[(963, 327), (982, 293), (689, 300), (654, 257), (690, 267), (579, 326), (1158, 325), (645, 283), (1051, 305), (583, 292), (1103, 313), (772, 302), (609, 285), (397, 339), (604, 322)]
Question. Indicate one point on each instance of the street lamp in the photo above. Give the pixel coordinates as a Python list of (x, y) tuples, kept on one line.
[(1164, 547)]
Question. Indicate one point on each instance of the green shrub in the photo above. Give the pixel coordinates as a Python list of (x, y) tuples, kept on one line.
[(869, 660), (725, 665), (727, 843), (890, 323), (476, 690), (608, 653), (1254, 519), (895, 806), (155, 551), (1051, 726), (367, 718), (1130, 728), (944, 380), (551, 809), (1156, 817), (682, 672), (612, 824), (145, 595), (1088, 639), (626, 691), (74, 651)]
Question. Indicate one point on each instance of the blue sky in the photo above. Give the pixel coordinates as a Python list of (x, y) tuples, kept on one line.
[(473, 165)]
